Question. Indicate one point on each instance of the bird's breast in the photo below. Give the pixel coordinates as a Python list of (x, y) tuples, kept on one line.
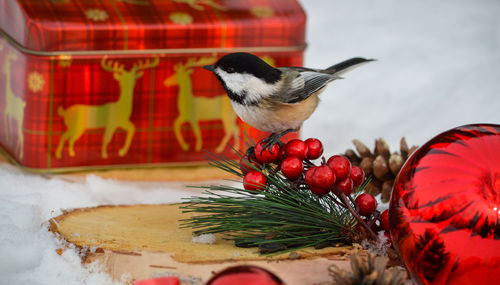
[(275, 116)]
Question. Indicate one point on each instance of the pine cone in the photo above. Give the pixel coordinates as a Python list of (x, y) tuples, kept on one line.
[(380, 164), (371, 271)]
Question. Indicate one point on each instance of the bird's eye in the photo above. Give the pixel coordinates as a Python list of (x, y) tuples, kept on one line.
[(230, 69)]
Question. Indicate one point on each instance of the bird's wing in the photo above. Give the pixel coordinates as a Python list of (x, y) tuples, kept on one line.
[(302, 83)]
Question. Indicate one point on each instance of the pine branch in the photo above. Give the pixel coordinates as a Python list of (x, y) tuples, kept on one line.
[(281, 216)]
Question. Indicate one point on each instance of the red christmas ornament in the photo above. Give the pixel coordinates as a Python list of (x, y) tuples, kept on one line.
[(245, 275), (346, 185), (357, 175), (445, 208), (320, 177), (255, 181), (384, 220), (292, 167), (341, 165), (296, 148), (366, 203), (267, 155), (314, 148)]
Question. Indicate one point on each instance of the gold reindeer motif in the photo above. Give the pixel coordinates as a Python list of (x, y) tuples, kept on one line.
[(194, 109), (110, 116), (14, 106), (196, 4)]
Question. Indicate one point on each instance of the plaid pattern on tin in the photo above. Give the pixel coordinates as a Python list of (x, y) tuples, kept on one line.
[(87, 25), (65, 108), (51, 84)]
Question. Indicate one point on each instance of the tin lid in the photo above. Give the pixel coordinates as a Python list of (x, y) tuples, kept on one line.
[(83, 26)]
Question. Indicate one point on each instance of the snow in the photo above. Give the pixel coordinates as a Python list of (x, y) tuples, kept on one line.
[(379, 247), (437, 68), (28, 251), (204, 239)]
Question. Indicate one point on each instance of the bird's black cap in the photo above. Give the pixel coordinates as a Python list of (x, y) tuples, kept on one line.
[(242, 62)]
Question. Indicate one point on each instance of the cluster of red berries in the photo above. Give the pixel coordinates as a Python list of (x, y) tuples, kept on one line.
[(290, 158), (336, 175)]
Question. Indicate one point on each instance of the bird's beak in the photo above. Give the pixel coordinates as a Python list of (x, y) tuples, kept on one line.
[(209, 67)]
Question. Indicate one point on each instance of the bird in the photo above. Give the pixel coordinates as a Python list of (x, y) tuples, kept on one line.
[(275, 100)]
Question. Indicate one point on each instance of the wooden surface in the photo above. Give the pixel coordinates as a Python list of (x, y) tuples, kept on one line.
[(143, 241)]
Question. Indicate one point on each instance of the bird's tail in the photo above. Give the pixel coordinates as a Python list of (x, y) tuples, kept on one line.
[(347, 65)]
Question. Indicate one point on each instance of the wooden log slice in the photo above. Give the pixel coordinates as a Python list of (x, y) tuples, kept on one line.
[(144, 241)]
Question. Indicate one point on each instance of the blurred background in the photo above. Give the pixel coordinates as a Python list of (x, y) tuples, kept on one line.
[(437, 68)]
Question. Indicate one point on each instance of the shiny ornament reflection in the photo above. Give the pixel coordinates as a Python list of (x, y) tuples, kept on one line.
[(444, 214)]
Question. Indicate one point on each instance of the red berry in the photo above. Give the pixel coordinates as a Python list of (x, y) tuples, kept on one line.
[(314, 148), (320, 177), (345, 185), (319, 191), (384, 220), (341, 165), (357, 175), (246, 165), (366, 203), (296, 148), (267, 155), (254, 180), (292, 167)]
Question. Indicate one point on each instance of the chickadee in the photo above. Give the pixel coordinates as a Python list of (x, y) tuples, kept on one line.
[(276, 100)]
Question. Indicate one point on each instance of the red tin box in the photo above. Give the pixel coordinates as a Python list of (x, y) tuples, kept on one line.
[(118, 83)]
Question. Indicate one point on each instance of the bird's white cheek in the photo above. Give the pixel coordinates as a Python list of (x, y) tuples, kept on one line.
[(242, 83), (236, 82)]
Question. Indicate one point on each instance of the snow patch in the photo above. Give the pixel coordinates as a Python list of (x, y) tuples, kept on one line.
[(204, 239), (378, 247)]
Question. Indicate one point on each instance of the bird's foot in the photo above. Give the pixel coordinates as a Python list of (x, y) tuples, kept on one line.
[(268, 143), (250, 153), (272, 139)]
